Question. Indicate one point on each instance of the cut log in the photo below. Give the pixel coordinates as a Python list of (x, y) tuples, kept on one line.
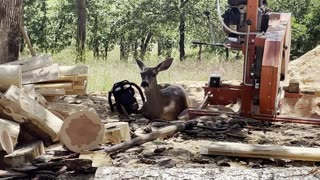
[(24, 154), (9, 132), (51, 92), (117, 132), (63, 85), (6, 141), (99, 159), (33, 63), (23, 108), (163, 132), (66, 109), (41, 75), (261, 151), (82, 131), (10, 75), (73, 70)]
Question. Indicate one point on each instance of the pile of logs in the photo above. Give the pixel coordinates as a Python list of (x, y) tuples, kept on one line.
[(30, 120)]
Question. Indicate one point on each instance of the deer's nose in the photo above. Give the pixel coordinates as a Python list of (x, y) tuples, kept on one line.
[(144, 84)]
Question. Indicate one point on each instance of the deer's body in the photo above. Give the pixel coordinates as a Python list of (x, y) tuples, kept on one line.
[(163, 102)]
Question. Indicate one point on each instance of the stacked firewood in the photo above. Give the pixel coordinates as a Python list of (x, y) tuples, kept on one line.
[(30, 120)]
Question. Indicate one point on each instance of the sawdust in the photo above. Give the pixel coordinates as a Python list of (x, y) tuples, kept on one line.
[(306, 69)]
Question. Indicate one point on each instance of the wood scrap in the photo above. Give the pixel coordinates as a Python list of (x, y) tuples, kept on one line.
[(51, 91), (24, 154), (161, 133), (261, 151), (98, 158), (10, 75), (117, 132), (22, 108), (9, 132), (41, 75), (33, 63), (82, 131), (11, 174)]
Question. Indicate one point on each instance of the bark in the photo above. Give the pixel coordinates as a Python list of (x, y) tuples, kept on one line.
[(81, 29), (11, 13)]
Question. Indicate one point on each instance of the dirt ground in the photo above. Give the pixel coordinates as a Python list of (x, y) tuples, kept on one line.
[(183, 149)]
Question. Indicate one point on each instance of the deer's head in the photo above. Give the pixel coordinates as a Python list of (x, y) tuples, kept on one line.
[(149, 74)]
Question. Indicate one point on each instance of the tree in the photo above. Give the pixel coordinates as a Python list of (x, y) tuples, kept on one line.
[(81, 29), (10, 19)]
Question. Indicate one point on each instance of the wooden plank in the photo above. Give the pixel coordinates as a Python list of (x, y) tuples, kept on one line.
[(77, 92), (261, 151), (11, 129), (82, 131), (62, 85), (23, 108), (41, 75), (51, 92), (24, 155), (33, 63), (10, 75), (65, 109), (73, 70), (116, 132)]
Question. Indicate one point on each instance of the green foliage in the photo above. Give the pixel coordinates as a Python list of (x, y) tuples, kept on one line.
[(305, 23), (138, 26)]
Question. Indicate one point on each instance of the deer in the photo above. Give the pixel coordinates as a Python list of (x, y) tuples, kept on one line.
[(165, 102)]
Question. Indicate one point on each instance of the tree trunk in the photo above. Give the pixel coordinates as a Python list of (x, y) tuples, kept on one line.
[(182, 28), (11, 13), (81, 29), (95, 42), (144, 45)]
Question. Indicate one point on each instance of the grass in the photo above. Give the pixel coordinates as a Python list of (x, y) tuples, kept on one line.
[(104, 73)]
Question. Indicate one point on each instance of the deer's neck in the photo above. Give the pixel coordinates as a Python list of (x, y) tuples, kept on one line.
[(153, 95)]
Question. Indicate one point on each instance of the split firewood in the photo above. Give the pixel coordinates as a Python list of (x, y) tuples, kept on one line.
[(58, 85), (161, 133), (73, 70), (41, 75), (65, 109), (22, 108), (117, 132), (261, 151), (10, 75), (24, 154), (77, 92), (98, 158), (9, 132), (82, 131), (33, 63), (51, 91)]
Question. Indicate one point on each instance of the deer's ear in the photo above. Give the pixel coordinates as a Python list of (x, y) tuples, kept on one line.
[(140, 64), (165, 64)]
